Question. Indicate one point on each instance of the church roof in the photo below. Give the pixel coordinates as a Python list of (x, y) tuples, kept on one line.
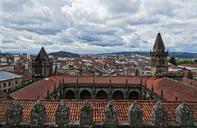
[(42, 55), (172, 89), (158, 43), (39, 88)]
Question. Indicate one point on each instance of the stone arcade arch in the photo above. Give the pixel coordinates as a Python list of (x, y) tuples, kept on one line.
[(85, 94), (134, 95), (101, 95), (118, 95), (70, 94)]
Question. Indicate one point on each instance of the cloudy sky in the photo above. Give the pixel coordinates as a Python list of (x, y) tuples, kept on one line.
[(97, 26)]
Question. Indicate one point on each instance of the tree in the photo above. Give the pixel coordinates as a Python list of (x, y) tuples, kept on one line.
[(190, 75), (173, 61)]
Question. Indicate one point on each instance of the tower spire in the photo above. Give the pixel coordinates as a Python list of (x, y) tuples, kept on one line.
[(159, 45), (159, 62), (42, 55), (41, 66)]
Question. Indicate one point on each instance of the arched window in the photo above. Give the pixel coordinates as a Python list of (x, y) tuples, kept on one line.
[(101, 95), (134, 95), (70, 95), (85, 94), (118, 95)]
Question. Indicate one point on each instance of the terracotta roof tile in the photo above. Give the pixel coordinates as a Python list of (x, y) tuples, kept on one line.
[(37, 89), (102, 79), (172, 89), (98, 108), (189, 81)]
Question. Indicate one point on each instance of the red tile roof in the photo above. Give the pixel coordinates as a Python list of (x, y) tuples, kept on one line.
[(189, 81), (26, 76), (189, 65), (172, 89), (98, 108), (41, 87), (37, 89), (102, 79)]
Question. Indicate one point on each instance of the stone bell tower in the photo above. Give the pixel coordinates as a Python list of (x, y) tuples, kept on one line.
[(41, 66), (159, 62)]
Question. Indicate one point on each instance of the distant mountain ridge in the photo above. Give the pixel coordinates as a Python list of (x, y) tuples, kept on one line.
[(186, 55), (174, 54), (64, 54)]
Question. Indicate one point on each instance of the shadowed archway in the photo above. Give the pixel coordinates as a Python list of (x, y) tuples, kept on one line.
[(134, 95), (70, 95), (117, 95), (101, 95), (85, 94)]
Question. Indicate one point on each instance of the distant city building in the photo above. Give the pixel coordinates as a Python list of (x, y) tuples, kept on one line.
[(9, 81), (108, 99), (41, 66), (159, 62)]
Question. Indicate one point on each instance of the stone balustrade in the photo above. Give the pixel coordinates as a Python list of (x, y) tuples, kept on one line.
[(160, 117)]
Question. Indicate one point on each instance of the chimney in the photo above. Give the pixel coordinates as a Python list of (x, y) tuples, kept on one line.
[(126, 81), (63, 80), (54, 87), (162, 93), (93, 80), (141, 81), (47, 92), (152, 89), (77, 80)]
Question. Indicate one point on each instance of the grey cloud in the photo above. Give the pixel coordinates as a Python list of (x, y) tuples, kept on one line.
[(14, 5), (98, 25), (122, 6)]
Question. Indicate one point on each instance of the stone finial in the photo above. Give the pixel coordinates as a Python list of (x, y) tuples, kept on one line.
[(159, 115), (38, 115), (135, 115), (14, 114), (86, 115), (184, 115), (111, 119), (62, 114)]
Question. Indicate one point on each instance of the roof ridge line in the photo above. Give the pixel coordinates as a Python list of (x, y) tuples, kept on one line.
[(188, 85)]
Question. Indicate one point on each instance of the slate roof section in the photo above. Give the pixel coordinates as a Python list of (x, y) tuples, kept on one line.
[(7, 75)]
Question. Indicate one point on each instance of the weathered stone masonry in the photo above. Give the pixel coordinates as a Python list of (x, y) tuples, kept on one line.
[(39, 116)]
